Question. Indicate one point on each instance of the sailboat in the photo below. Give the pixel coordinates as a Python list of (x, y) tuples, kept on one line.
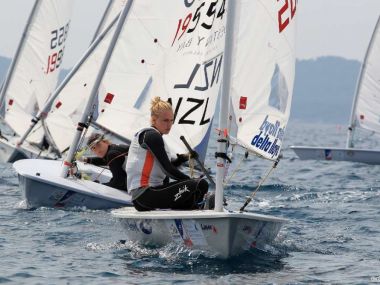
[(255, 41), (32, 76), (46, 184), (365, 113), (33, 174), (111, 12)]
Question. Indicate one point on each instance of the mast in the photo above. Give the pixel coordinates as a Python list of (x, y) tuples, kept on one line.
[(224, 101), (73, 71), (94, 90), (104, 17), (351, 126), (4, 87)]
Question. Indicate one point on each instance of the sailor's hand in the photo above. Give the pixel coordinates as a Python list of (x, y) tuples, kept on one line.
[(79, 156), (194, 154), (81, 159), (183, 157)]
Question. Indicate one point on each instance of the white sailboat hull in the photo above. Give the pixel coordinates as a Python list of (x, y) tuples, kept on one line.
[(42, 186), (223, 234), (338, 154), (9, 153)]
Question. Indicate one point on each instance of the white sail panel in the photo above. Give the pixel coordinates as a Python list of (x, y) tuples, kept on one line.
[(113, 9), (367, 113), (69, 105), (263, 73), (36, 69), (177, 56)]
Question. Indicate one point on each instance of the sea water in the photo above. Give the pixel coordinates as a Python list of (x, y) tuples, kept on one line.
[(333, 233)]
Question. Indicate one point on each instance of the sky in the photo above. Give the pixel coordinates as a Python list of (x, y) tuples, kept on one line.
[(325, 27), (335, 27)]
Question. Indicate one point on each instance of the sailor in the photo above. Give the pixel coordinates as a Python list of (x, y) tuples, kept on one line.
[(112, 155), (149, 168)]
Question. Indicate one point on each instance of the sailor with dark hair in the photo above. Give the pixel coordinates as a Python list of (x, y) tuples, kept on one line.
[(112, 155)]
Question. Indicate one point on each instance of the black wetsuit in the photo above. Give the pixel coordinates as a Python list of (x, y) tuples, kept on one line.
[(114, 158), (183, 193)]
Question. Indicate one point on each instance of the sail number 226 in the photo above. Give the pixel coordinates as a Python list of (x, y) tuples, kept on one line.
[(57, 41)]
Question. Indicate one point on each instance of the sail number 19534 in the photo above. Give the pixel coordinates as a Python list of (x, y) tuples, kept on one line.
[(189, 23)]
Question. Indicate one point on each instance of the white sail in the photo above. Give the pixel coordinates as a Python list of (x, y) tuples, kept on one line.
[(69, 104), (112, 10), (145, 63), (367, 111), (35, 69), (263, 68)]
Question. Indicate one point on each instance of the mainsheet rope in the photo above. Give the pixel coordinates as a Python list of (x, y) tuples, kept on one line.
[(258, 186)]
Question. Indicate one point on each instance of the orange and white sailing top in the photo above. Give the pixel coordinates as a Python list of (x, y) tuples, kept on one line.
[(142, 167)]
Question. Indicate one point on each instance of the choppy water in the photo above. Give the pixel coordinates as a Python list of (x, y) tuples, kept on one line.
[(333, 235)]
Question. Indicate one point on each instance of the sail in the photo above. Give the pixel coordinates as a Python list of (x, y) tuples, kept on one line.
[(175, 55), (113, 9), (367, 111), (263, 69), (34, 72), (69, 104)]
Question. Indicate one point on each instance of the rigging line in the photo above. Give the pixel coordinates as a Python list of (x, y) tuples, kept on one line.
[(372, 133), (35, 130), (108, 164), (91, 115), (201, 165), (39, 154), (236, 169), (193, 162), (228, 164), (258, 186), (191, 166), (79, 151)]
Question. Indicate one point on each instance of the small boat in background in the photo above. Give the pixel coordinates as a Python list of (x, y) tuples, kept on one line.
[(46, 184), (365, 113)]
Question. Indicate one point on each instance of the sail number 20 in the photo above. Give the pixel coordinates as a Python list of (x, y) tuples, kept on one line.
[(284, 17), (57, 41)]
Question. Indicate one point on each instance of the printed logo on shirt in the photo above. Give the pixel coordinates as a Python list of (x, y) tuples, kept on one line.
[(180, 192)]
